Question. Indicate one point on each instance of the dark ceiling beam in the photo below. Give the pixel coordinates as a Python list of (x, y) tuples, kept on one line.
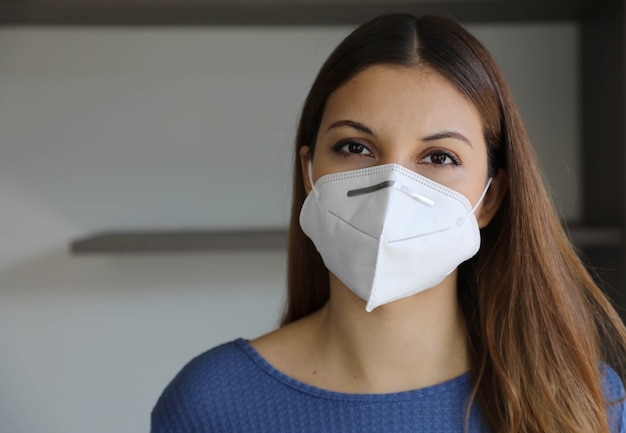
[(266, 12)]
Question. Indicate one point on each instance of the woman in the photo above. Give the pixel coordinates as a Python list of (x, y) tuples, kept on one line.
[(431, 286)]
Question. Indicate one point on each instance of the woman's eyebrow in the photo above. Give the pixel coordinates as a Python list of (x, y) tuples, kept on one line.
[(447, 134), (352, 124)]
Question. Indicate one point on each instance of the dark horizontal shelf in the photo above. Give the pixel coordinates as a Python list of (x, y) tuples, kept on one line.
[(241, 240), (591, 236), (180, 241)]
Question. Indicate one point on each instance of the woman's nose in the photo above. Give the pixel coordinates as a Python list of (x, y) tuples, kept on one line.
[(403, 159)]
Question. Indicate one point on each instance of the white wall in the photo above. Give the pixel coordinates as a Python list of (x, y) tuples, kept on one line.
[(541, 64), (180, 128)]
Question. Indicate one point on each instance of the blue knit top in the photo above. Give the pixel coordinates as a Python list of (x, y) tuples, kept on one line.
[(231, 388)]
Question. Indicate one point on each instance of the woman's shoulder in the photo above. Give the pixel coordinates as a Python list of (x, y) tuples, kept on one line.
[(219, 357), (612, 383), (615, 396), (212, 368), (222, 370), (203, 385)]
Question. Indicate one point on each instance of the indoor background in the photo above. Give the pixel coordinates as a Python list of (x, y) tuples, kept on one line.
[(140, 120)]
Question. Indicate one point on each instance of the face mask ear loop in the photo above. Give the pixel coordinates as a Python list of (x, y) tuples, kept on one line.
[(482, 196), (310, 173)]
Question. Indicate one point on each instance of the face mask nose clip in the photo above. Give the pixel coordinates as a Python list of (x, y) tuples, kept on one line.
[(395, 185)]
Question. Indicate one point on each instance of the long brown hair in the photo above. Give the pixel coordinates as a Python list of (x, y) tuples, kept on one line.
[(539, 327)]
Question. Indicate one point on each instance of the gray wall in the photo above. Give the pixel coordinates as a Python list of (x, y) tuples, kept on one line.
[(175, 128)]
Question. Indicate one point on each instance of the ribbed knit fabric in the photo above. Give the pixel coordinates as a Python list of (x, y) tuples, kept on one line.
[(231, 388)]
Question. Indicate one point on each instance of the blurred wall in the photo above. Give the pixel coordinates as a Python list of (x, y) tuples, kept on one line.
[(175, 128)]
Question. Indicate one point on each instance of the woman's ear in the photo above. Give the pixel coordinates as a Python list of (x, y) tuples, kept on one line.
[(493, 198), (305, 157)]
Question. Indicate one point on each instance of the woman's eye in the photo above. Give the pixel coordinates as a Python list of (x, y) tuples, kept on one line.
[(441, 158), (353, 148)]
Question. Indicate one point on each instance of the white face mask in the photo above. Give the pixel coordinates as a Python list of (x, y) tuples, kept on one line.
[(387, 232)]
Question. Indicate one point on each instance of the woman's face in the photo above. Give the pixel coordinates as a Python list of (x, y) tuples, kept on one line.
[(413, 117)]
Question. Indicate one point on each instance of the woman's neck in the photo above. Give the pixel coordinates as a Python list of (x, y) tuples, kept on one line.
[(407, 344)]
